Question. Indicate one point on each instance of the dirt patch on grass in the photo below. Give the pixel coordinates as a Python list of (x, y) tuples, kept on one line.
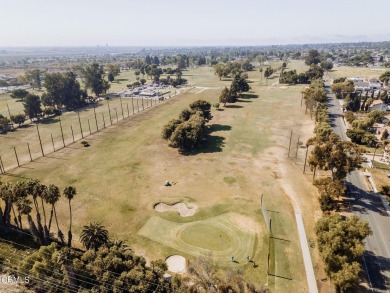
[(184, 209)]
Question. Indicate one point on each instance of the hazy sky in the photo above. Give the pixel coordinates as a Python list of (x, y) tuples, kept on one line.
[(187, 23)]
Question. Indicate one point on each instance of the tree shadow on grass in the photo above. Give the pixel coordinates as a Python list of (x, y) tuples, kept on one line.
[(212, 144), (233, 106), (249, 96), (219, 127), (49, 120)]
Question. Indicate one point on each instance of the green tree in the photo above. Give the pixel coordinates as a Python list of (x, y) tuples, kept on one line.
[(69, 193), (63, 89), (52, 195), (203, 107), (4, 124), (32, 106), (114, 69), (313, 57), (340, 243), (385, 77), (94, 79), (110, 77), (189, 134), (224, 96), (219, 70), (94, 236), (19, 94), (332, 154), (18, 119), (325, 65), (33, 77), (170, 128)]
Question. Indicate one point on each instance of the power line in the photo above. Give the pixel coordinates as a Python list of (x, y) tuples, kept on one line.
[(43, 282), (148, 282), (99, 283)]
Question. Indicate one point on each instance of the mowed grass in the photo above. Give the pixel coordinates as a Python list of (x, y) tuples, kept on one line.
[(120, 177), (224, 236), (349, 71)]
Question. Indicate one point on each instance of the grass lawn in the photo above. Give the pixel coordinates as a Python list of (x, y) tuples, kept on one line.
[(349, 71), (121, 177)]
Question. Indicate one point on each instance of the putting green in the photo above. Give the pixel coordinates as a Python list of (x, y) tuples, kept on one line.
[(224, 236), (217, 238)]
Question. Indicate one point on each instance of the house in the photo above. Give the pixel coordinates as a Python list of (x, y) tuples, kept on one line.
[(377, 105), (362, 86), (380, 131)]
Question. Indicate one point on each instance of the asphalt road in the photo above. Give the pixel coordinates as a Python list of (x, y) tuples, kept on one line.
[(369, 207)]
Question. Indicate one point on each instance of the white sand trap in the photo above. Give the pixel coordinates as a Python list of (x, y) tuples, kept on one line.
[(176, 264), (184, 210)]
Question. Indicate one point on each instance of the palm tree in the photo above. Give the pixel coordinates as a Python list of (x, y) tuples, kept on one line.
[(69, 193), (18, 191), (35, 189), (52, 195), (94, 235), (23, 205), (6, 196)]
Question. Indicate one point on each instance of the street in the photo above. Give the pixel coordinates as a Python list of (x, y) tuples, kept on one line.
[(368, 207)]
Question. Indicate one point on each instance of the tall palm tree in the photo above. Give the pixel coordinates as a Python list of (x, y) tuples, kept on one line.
[(94, 235), (35, 189), (52, 195), (69, 193), (6, 196), (18, 192), (23, 205)]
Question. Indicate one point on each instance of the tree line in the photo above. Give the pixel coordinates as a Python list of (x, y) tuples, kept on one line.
[(340, 239), (292, 77)]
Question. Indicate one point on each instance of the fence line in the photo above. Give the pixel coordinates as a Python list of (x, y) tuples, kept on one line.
[(23, 152)]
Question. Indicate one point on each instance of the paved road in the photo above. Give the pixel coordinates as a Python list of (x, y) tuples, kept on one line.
[(369, 207)]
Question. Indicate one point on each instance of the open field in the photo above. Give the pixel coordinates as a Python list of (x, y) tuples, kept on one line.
[(121, 177), (348, 71), (107, 112)]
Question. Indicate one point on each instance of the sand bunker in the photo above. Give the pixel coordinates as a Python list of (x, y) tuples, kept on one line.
[(184, 210), (176, 264)]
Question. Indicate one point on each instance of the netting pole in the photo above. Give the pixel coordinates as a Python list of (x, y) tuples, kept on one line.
[(81, 129), (71, 128), (62, 133), (94, 112), (289, 146), (40, 142), (52, 141), (29, 151), (16, 156)]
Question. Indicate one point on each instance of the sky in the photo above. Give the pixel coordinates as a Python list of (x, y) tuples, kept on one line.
[(26, 23)]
